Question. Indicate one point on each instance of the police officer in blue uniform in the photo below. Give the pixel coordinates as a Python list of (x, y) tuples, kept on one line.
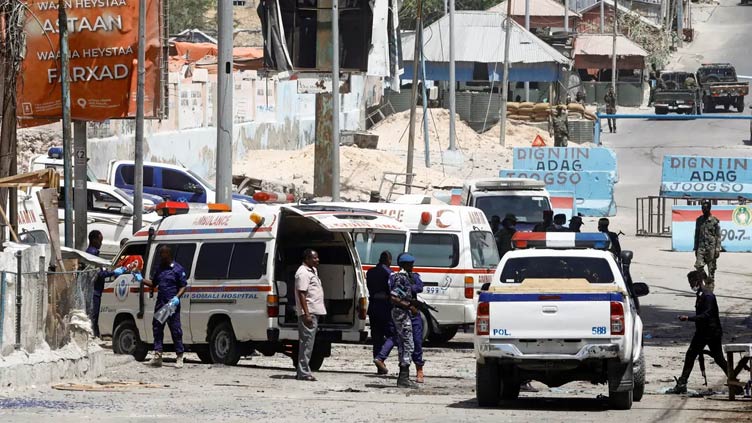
[(379, 311), (95, 243), (171, 280), (408, 285)]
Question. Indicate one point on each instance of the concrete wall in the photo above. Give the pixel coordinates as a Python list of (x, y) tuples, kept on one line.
[(34, 297), (269, 114)]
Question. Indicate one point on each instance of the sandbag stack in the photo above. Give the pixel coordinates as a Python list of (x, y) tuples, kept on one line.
[(540, 112)]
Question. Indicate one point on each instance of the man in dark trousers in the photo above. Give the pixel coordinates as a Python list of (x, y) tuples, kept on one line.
[(171, 279), (708, 330), (707, 243), (379, 311), (408, 327), (610, 100), (95, 243)]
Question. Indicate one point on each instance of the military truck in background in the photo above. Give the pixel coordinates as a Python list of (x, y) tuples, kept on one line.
[(675, 96), (720, 87)]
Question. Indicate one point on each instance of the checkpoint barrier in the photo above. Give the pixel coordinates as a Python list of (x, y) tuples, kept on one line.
[(574, 159), (564, 202), (593, 191), (706, 177), (599, 116), (735, 222)]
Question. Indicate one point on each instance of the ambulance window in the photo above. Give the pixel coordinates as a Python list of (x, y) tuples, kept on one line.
[(394, 243), (182, 254), (483, 250), (435, 250), (248, 261), (214, 260)]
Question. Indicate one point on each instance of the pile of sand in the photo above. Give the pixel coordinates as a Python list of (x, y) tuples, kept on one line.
[(362, 169)]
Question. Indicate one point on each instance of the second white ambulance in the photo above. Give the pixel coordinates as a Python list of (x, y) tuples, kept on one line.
[(241, 270)]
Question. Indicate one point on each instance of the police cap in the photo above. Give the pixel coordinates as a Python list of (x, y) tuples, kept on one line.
[(405, 258)]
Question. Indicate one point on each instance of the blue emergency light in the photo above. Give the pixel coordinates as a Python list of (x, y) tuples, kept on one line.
[(561, 240), (55, 153)]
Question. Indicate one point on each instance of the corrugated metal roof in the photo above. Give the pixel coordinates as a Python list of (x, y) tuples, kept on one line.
[(537, 8), (602, 45), (622, 9), (479, 37)]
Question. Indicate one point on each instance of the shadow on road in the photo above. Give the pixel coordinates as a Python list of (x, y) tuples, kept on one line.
[(544, 404)]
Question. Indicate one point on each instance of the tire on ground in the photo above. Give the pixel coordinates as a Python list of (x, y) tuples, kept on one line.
[(487, 383), (639, 378), (223, 346), (128, 341), (620, 400)]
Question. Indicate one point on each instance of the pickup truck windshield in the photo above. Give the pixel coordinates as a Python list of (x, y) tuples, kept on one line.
[(594, 270), (525, 208)]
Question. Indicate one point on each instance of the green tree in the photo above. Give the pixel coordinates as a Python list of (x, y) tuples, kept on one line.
[(187, 14), (433, 10)]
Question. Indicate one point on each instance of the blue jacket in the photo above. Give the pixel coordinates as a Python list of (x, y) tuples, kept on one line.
[(169, 279)]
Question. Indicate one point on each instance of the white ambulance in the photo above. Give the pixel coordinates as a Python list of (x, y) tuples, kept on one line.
[(455, 254), (241, 269)]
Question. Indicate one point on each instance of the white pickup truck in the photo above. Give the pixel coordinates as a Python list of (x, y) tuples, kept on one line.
[(559, 310)]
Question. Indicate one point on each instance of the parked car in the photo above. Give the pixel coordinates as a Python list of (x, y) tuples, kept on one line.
[(720, 86), (173, 183)]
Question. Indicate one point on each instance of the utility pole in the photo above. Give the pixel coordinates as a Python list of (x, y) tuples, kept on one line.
[(66, 115), (680, 21), (224, 103), (614, 71), (426, 140), (603, 24), (527, 27), (138, 154), (505, 76), (452, 80), (566, 16), (80, 186), (335, 100), (414, 96)]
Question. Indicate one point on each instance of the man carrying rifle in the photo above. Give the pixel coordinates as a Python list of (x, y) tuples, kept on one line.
[(405, 285)]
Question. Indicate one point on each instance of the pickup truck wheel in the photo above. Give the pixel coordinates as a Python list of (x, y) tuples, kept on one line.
[(726, 107), (708, 103), (223, 347), (620, 400), (126, 340), (487, 384), (740, 105), (510, 388), (639, 378), (204, 355)]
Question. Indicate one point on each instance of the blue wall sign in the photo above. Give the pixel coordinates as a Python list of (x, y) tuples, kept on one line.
[(735, 222), (593, 191), (706, 177), (567, 159)]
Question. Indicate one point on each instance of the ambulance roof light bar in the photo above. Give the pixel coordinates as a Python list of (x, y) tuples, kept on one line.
[(506, 184), (172, 208), (561, 240), (273, 197)]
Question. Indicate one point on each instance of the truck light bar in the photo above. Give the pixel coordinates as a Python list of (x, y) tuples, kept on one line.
[(172, 208), (502, 184), (55, 153), (561, 240)]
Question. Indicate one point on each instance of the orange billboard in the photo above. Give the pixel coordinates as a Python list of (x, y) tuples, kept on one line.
[(103, 52)]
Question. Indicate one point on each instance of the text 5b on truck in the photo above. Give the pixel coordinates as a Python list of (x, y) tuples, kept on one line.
[(559, 310)]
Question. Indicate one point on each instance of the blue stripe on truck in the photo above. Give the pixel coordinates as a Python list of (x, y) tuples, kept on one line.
[(491, 297)]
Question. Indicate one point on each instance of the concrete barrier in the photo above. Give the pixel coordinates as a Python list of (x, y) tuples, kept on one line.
[(557, 159), (594, 191), (706, 177), (735, 222)]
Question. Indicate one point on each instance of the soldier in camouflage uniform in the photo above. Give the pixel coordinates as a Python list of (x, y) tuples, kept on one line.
[(707, 243), (403, 310), (561, 127), (610, 100)]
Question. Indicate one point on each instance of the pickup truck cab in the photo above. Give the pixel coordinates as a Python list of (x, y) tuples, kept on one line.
[(676, 96), (173, 183), (720, 87), (580, 322), (527, 199)]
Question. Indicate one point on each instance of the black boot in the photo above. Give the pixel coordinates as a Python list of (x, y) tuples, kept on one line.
[(403, 380), (680, 388)]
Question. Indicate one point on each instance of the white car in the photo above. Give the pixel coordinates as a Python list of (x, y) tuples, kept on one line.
[(558, 314), (110, 211)]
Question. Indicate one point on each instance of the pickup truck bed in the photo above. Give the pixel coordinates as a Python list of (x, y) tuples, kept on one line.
[(679, 101)]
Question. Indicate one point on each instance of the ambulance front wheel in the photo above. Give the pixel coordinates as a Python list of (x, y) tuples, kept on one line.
[(126, 340), (223, 346)]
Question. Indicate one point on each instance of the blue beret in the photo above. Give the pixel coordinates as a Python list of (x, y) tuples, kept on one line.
[(406, 258)]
